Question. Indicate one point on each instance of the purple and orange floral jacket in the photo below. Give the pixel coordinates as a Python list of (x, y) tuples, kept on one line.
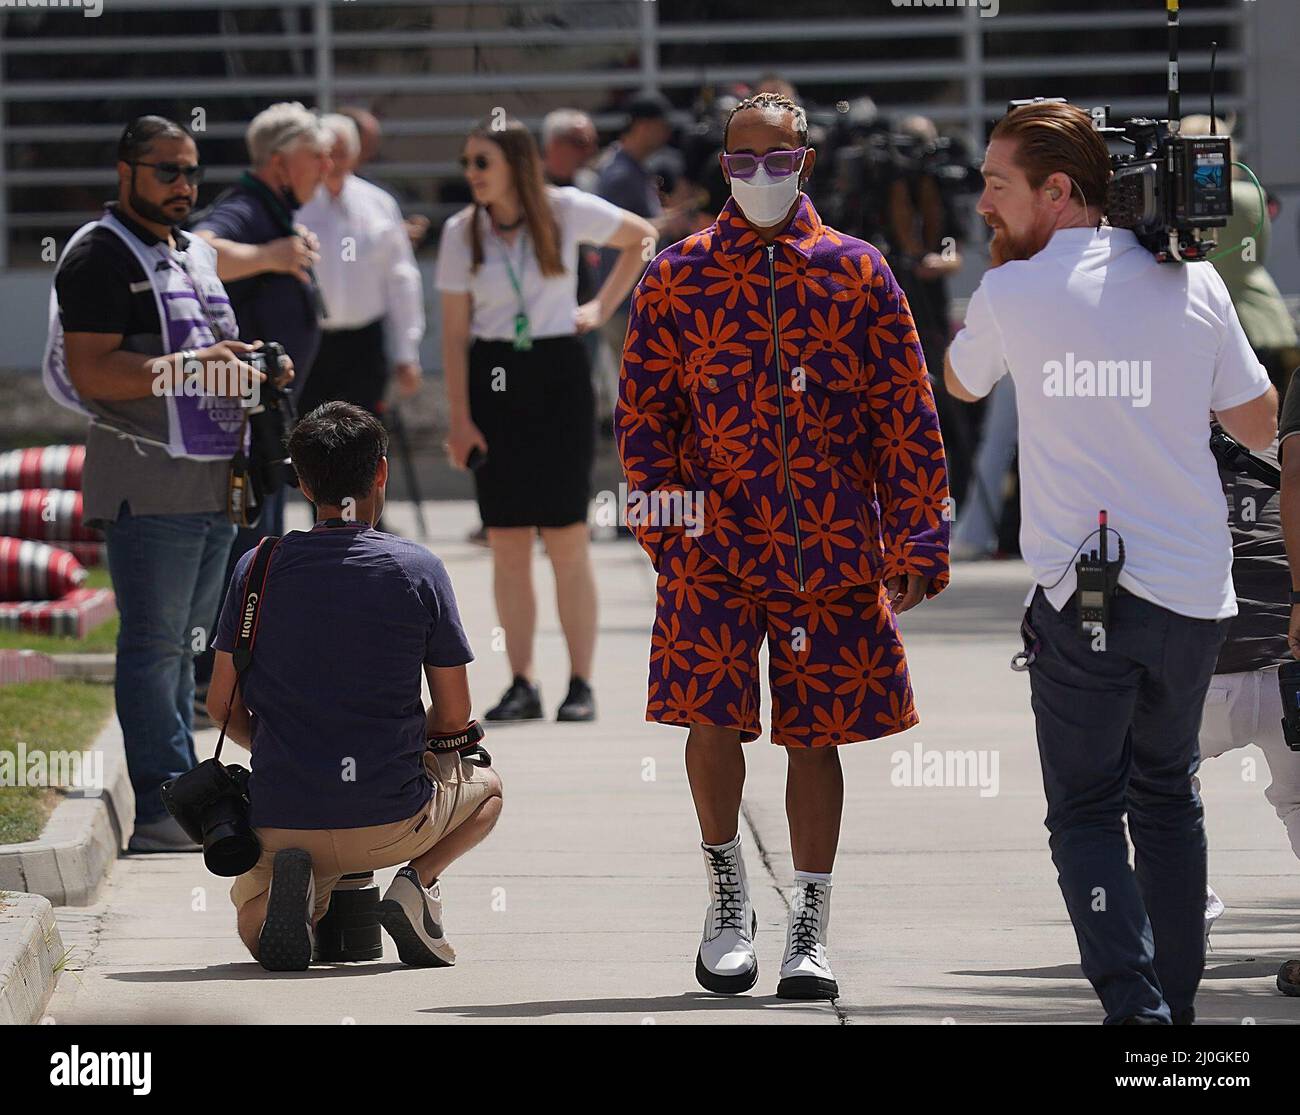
[(787, 384)]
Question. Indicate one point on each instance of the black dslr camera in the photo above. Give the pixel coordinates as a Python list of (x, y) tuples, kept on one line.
[(211, 804), (1170, 188), (1288, 677), (266, 467)]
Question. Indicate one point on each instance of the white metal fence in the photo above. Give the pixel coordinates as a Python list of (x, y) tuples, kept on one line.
[(436, 65)]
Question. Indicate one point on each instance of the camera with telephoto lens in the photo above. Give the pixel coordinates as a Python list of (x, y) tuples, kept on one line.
[(265, 468), (211, 804), (270, 423), (1170, 188)]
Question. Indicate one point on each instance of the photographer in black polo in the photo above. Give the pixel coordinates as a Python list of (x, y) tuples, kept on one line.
[(351, 619)]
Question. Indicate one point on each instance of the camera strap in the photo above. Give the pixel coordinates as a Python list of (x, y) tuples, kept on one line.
[(467, 743), (246, 633)]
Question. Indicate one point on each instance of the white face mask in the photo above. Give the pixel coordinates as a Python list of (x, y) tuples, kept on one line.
[(765, 200)]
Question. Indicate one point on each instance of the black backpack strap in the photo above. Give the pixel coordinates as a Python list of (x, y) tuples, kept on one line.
[(249, 613)]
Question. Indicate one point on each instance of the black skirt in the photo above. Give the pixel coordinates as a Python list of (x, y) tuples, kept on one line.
[(537, 412)]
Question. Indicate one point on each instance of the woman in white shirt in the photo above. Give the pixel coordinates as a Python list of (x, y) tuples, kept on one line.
[(519, 391)]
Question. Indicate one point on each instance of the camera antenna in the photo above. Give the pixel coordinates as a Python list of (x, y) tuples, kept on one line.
[(1171, 7), (1214, 116)]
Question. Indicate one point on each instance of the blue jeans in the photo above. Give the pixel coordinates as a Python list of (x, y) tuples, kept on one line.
[(977, 518), (167, 573), (1117, 733)]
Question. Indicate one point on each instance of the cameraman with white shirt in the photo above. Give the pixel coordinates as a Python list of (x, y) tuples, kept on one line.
[(1118, 362)]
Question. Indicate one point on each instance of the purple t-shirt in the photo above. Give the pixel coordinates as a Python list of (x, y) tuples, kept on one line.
[(348, 621)]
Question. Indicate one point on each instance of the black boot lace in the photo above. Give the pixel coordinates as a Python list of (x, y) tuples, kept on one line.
[(804, 934), (727, 908)]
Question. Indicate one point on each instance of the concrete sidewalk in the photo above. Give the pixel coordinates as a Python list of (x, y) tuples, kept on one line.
[(586, 903)]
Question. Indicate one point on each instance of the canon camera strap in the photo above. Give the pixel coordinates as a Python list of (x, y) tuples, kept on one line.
[(254, 591)]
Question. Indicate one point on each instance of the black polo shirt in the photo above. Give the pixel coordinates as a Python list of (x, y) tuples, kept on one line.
[(272, 306), (102, 288)]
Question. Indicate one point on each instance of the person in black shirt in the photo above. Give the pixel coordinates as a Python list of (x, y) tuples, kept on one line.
[(288, 150), (156, 459)]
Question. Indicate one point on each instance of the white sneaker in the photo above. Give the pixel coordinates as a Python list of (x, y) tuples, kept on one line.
[(287, 937), (806, 970), (412, 915), (726, 962), (1214, 909)]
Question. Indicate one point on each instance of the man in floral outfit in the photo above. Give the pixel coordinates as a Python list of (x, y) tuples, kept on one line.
[(772, 379)]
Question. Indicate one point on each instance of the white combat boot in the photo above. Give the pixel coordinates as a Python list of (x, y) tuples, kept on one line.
[(806, 970), (726, 962)]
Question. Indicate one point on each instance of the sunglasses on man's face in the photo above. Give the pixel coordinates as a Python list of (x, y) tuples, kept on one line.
[(479, 162), (167, 173), (778, 164)]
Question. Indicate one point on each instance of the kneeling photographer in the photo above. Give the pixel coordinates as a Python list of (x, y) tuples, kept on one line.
[(350, 773), (1118, 361)]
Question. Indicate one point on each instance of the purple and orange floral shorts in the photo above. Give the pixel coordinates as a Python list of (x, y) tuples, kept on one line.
[(836, 667)]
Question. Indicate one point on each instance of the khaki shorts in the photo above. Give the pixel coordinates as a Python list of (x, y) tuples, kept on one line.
[(460, 787)]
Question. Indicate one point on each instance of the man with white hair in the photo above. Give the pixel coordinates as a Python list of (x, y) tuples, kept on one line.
[(370, 282), (289, 153), (568, 144)]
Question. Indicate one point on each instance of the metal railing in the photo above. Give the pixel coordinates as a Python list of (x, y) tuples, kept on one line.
[(628, 43)]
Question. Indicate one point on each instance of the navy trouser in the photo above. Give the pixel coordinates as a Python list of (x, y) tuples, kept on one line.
[(1117, 733), (167, 575)]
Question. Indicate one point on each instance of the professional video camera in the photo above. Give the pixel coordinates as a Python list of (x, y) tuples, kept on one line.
[(870, 155), (266, 468), (1170, 188)]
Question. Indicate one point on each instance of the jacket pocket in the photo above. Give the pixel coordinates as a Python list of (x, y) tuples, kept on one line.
[(722, 387), (833, 415)]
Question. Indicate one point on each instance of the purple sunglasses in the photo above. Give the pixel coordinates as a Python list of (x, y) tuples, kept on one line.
[(778, 164)]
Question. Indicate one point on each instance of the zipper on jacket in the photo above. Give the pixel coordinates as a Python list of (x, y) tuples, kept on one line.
[(780, 390)]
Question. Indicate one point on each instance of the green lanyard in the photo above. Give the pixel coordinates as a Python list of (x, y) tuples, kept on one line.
[(523, 331)]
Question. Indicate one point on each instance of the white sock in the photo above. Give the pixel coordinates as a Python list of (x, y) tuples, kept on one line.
[(734, 842), (812, 877)]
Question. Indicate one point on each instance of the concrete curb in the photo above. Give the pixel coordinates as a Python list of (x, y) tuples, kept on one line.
[(69, 861), (86, 667), (30, 953)]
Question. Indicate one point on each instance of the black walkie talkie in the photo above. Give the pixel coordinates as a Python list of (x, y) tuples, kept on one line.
[(1097, 578)]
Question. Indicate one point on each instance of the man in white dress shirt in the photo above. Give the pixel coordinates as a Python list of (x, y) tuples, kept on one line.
[(370, 282)]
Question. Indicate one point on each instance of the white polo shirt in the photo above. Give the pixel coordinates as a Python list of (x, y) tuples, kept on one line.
[(549, 300), (1118, 361)]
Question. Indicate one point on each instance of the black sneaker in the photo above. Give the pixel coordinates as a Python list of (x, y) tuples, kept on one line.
[(580, 704), (285, 943), (522, 701), (1288, 978)]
